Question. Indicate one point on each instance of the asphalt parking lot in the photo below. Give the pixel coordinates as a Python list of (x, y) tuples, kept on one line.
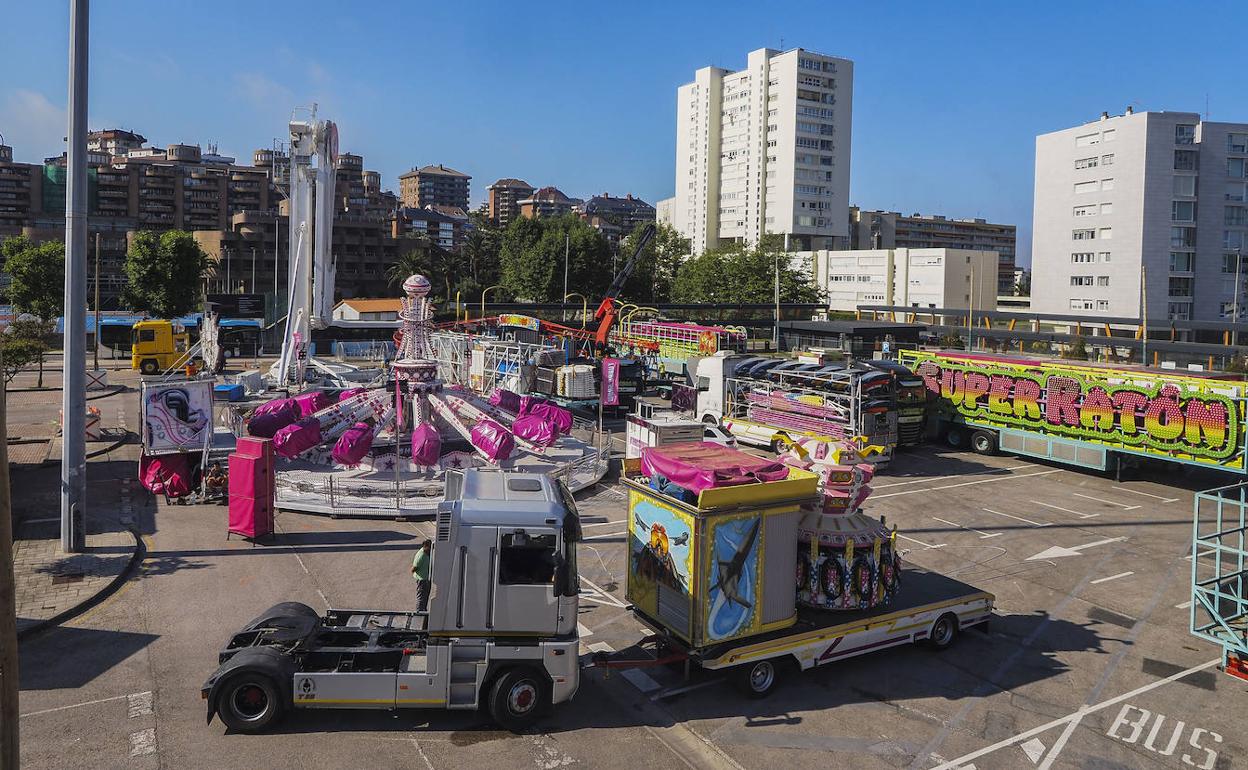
[(1088, 663)]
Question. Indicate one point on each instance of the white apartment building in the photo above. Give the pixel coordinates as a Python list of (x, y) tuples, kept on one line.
[(918, 278), (765, 150), (1162, 191)]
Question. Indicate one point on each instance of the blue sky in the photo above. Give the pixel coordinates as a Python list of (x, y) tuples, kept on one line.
[(948, 97)]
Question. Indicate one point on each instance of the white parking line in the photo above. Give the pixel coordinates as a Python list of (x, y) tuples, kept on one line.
[(1018, 518), (920, 542), (1149, 494), (1107, 502), (917, 481), (982, 535), (962, 761), (965, 484), (1111, 577), (74, 706), (143, 742), (139, 704), (589, 526), (1067, 510), (1184, 605)]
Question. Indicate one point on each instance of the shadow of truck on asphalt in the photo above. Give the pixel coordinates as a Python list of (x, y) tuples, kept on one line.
[(1019, 650), (64, 658)]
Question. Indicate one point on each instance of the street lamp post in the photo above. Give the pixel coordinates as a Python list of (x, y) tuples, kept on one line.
[(567, 247), (73, 393), (484, 292), (1235, 304), (584, 305)]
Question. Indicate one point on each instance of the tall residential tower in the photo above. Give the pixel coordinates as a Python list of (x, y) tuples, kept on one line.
[(1160, 190), (765, 150)]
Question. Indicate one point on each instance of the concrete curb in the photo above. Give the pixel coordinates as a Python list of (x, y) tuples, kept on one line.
[(140, 551)]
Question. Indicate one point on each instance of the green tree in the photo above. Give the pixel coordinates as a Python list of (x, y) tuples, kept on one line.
[(657, 266), (165, 273), (23, 343), (740, 274), (480, 265), (1077, 350), (36, 276), (532, 259)]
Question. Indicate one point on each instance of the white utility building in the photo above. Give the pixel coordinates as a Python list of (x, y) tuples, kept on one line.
[(917, 278), (1163, 191), (765, 150)]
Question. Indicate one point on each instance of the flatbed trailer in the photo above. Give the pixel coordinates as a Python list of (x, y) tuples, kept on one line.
[(930, 609)]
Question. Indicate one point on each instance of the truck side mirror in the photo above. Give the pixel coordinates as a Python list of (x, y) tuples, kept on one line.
[(561, 575)]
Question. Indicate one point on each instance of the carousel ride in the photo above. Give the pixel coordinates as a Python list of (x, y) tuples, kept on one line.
[(384, 451)]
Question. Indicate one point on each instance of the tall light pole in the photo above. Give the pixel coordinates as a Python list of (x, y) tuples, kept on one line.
[(1235, 304), (484, 292), (95, 352), (74, 364), (567, 246), (970, 312)]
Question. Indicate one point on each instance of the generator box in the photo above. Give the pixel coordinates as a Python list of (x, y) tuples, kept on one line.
[(719, 568)]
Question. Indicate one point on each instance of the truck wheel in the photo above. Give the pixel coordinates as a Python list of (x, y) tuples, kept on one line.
[(149, 366), (955, 437), (250, 702), (516, 698), (758, 679), (984, 442), (944, 632)]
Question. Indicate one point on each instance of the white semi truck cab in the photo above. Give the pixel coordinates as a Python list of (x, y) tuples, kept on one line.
[(500, 632)]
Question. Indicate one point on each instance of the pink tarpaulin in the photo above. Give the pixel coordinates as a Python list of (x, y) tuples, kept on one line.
[(296, 439), (535, 429), (492, 440), (353, 444), (426, 445), (279, 413), (559, 418), (699, 465), (168, 475), (312, 402), (350, 393), (506, 400)]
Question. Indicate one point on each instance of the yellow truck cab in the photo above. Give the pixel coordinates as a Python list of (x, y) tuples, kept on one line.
[(158, 345)]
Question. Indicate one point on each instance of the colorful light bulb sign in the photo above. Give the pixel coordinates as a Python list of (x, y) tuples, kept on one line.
[(1136, 411)]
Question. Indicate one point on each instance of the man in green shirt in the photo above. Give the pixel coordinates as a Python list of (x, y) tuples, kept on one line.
[(420, 572)]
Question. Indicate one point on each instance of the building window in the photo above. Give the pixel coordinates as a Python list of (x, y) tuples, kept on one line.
[(1180, 311), (1235, 192), (1184, 160), (1183, 211), (1081, 280), (1183, 237), (1102, 280), (1232, 240), (1109, 135), (1104, 255), (1180, 287), (1185, 185), (1085, 211), (1082, 257), (1107, 208), (1184, 134), (1106, 233), (1092, 162), (1237, 143), (1107, 160), (1083, 235), (1228, 309), (1236, 215), (1102, 304), (1107, 184), (1086, 187), (1230, 263), (1087, 140), (1180, 262), (1235, 167)]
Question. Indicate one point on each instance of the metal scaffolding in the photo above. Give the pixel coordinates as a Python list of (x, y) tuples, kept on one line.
[(1219, 611)]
